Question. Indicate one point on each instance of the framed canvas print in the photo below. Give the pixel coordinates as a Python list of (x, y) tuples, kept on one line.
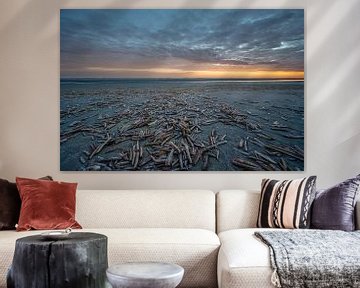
[(182, 90)]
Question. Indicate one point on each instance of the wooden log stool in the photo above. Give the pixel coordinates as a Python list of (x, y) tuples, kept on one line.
[(78, 261)]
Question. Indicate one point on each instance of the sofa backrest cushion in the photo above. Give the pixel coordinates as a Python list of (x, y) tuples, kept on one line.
[(236, 209), (146, 209)]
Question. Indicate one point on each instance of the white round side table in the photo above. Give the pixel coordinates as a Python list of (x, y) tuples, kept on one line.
[(145, 275)]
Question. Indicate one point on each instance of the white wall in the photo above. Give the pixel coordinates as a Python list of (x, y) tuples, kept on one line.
[(29, 94)]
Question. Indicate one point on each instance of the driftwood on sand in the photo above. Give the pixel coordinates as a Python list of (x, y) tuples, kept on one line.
[(179, 131)]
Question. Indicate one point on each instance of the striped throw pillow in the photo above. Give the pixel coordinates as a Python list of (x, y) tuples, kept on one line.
[(286, 204)]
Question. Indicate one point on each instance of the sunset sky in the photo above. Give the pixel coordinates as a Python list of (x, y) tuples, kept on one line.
[(184, 43)]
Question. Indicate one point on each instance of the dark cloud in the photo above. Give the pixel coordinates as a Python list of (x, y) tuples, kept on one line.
[(273, 38)]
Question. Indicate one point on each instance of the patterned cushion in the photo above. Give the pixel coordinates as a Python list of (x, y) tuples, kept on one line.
[(286, 204)]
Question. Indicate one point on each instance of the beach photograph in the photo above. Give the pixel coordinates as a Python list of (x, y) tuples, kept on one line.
[(182, 90)]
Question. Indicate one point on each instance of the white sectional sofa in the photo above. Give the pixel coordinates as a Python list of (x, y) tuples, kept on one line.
[(243, 260), (177, 226), (164, 225)]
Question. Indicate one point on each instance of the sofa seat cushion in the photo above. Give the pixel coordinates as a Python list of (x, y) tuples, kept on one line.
[(194, 249), (244, 261)]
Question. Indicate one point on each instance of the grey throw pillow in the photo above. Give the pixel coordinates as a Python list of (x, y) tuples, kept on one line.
[(334, 208)]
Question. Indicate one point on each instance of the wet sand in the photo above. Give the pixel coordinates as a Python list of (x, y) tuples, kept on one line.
[(158, 125)]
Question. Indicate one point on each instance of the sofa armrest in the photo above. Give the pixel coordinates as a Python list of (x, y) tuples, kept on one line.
[(357, 215)]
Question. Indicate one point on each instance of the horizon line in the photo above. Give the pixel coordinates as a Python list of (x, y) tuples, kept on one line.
[(176, 78)]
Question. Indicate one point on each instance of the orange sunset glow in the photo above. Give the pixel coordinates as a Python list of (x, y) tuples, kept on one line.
[(178, 73)]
